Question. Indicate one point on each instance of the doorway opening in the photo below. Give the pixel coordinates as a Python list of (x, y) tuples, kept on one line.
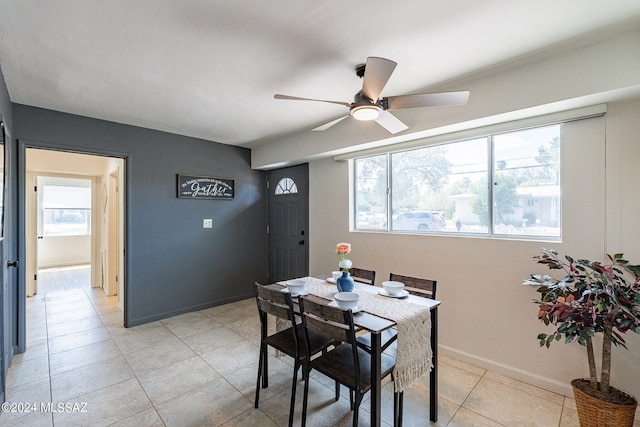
[(74, 223)]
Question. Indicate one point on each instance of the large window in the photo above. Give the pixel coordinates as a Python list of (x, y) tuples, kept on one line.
[(67, 209), (445, 188)]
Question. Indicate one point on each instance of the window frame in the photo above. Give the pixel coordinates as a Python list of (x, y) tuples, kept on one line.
[(49, 181), (491, 174)]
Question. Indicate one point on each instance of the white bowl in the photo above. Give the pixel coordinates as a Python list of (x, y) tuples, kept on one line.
[(296, 286), (393, 288), (336, 274), (346, 300)]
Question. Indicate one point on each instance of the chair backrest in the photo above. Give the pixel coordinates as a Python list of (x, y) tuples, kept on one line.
[(416, 286), (363, 276), (275, 303), (330, 322)]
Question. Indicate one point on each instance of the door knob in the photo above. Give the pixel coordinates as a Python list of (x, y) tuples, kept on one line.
[(301, 242), (40, 237), (12, 264)]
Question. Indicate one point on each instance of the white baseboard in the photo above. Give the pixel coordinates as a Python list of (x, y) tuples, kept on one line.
[(509, 371), (64, 264)]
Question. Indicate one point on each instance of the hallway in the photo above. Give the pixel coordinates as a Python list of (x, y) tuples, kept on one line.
[(57, 279)]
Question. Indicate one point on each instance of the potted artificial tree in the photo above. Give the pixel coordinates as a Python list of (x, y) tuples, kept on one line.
[(592, 298)]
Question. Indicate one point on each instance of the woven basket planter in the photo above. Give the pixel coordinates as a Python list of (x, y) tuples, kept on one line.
[(594, 412)]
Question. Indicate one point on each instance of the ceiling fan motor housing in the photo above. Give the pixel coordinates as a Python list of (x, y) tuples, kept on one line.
[(364, 108), (362, 99)]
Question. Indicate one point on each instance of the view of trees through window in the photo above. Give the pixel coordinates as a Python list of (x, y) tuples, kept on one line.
[(445, 188)]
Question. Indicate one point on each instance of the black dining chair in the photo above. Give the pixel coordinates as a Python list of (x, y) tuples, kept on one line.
[(417, 286), (348, 363), (291, 341), (414, 285), (362, 275), (425, 288)]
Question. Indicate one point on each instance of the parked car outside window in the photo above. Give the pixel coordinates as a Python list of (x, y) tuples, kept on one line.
[(420, 221)]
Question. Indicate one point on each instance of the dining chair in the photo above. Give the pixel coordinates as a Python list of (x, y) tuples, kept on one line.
[(291, 341), (417, 286), (414, 285), (348, 363), (362, 275)]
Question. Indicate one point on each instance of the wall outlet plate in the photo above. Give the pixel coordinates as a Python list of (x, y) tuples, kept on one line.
[(207, 223)]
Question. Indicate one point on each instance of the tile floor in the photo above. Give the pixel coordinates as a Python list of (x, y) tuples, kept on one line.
[(199, 369)]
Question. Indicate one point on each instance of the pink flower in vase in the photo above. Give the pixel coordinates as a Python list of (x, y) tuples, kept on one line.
[(343, 249)]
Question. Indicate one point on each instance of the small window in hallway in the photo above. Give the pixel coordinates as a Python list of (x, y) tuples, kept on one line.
[(67, 209)]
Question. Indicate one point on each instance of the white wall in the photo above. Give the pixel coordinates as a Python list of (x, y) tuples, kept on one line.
[(56, 251), (487, 317)]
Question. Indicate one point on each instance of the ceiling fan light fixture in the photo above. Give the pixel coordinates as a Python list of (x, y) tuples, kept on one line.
[(365, 112)]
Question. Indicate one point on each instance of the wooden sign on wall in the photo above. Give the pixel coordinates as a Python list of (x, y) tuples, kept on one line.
[(205, 187)]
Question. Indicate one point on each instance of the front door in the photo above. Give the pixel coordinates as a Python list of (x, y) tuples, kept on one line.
[(288, 222)]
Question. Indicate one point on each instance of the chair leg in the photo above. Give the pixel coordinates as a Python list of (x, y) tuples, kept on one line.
[(337, 391), (356, 408), (305, 373), (292, 404), (265, 376), (395, 409), (260, 361)]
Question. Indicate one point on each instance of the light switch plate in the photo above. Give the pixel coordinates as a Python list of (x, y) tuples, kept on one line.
[(207, 223)]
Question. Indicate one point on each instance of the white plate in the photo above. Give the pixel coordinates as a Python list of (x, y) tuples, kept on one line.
[(359, 306), (331, 280), (305, 292), (401, 294)]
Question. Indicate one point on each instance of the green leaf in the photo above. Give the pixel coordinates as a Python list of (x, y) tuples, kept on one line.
[(637, 330), (635, 269), (542, 336), (549, 340), (568, 339)]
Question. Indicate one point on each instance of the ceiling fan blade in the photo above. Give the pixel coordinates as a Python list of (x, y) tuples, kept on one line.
[(376, 74), (390, 122), (295, 98), (331, 123), (425, 100)]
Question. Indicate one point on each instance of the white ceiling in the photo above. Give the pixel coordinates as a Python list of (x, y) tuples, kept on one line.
[(210, 68)]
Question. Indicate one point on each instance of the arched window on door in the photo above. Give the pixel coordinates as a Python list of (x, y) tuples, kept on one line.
[(286, 186)]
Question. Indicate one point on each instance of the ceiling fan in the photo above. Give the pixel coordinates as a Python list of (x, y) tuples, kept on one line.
[(367, 105)]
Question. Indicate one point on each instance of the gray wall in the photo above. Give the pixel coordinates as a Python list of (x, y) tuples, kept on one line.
[(175, 265)]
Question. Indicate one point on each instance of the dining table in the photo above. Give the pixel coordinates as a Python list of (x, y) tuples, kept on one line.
[(380, 312)]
